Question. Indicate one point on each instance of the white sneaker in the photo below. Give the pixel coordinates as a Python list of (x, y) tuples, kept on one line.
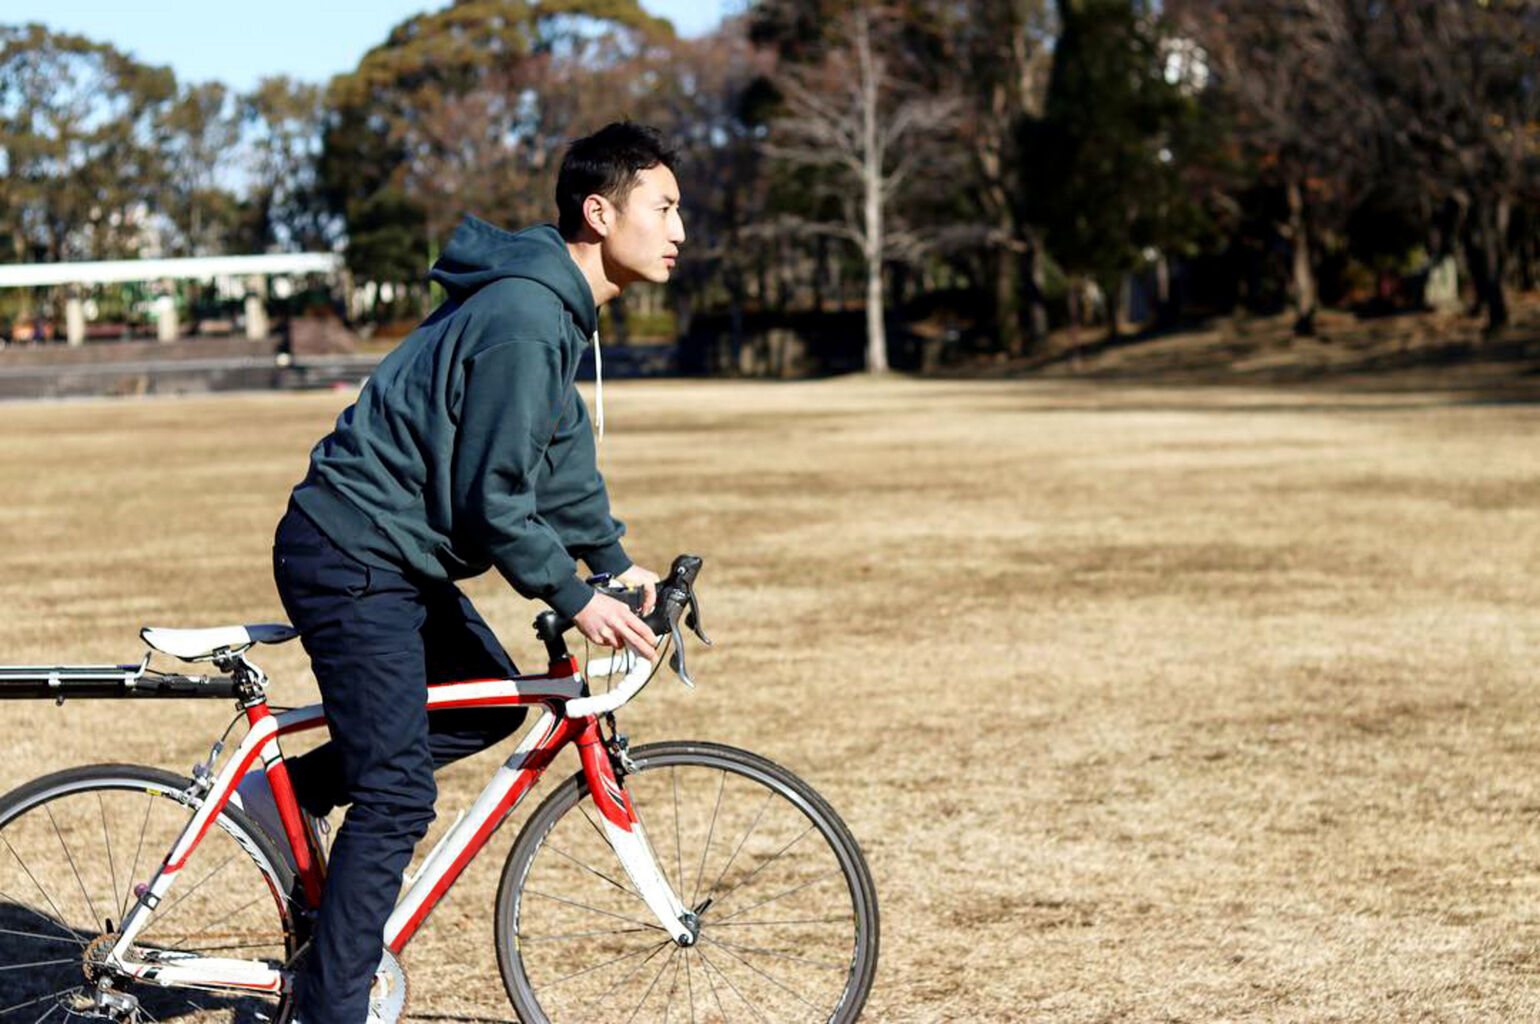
[(254, 795)]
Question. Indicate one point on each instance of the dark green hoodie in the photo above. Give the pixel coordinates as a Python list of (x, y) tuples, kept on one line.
[(469, 447)]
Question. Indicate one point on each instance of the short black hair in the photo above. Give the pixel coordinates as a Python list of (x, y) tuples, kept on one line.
[(608, 163)]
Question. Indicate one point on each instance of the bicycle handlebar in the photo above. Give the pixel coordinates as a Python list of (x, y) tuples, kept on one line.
[(676, 600), (675, 595)]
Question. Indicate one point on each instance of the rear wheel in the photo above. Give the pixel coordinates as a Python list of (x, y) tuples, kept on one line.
[(788, 912), (73, 847)]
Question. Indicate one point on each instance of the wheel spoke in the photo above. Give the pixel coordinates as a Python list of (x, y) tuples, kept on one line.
[(128, 889), (40, 937), (39, 963), (752, 826), (689, 985), (724, 923), (594, 824), (673, 985), (772, 979), (186, 936), (700, 872), (58, 914), (596, 910), (29, 908), (825, 964), (33, 1002), (652, 851), (753, 874), (526, 937), (168, 913), (233, 945), (678, 851), (651, 952), (778, 896), (90, 904), (741, 997), (655, 977), (112, 868), (593, 871), (711, 985)]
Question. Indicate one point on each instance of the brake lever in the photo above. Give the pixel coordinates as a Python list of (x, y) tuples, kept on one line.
[(676, 658), (693, 620)]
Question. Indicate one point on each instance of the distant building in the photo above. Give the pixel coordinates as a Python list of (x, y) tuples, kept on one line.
[(245, 278)]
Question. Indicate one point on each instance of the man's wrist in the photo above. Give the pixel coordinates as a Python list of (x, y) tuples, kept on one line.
[(571, 597), (610, 558)]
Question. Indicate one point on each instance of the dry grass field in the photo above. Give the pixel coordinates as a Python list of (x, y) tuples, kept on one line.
[(1146, 705)]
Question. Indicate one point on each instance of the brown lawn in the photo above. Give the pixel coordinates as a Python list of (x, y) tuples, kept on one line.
[(1146, 705)]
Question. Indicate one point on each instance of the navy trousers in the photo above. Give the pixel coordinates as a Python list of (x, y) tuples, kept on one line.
[(376, 639)]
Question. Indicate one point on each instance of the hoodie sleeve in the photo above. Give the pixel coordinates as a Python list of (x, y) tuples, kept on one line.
[(511, 404), (573, 499)]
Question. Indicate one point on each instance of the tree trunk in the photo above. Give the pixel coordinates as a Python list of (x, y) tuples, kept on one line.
[(735, 301), (620, 321), (1008, 303), (820, 270), (1036, 306), (1494, 259), (1113, 297), (1525, 254), (684, 314), (785, 274), (876, 335), (1302, 279)]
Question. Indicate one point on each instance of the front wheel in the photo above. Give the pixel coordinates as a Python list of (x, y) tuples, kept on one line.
[(787, 909)]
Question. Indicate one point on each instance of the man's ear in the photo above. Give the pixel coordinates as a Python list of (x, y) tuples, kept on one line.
[(598, 214)]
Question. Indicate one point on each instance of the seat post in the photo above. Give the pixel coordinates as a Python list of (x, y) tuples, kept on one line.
[(250, 681)]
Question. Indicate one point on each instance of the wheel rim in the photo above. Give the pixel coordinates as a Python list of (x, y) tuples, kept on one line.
[(785, 933), (71, 855)]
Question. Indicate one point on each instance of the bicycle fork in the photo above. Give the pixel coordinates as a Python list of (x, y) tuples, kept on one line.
[(623, 828)]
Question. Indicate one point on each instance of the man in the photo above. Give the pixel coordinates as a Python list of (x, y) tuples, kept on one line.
[(468, 449)]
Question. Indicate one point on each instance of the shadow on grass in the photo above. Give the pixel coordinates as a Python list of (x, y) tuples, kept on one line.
[(41, 971), (1350, 355)]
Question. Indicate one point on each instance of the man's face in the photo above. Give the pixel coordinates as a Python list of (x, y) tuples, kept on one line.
[(643, 241)]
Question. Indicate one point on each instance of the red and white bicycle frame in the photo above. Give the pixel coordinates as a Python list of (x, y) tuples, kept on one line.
[(566, 717)]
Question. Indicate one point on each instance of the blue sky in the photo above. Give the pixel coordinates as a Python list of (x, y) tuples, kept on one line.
[(235, 44)]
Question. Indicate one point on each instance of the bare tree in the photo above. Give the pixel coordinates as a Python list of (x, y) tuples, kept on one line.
[(856, 117)]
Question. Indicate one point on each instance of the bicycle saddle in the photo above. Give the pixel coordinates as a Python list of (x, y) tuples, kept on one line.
[(202, 644)]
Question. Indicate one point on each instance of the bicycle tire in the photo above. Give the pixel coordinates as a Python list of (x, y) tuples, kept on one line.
[(238, 895), (827, 881)]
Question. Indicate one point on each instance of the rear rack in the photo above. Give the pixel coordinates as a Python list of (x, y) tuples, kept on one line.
[(58, 682)]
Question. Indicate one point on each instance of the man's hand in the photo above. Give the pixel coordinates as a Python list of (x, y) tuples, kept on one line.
[(636, 576), (609, 623)]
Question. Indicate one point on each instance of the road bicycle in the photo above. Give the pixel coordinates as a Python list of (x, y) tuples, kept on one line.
[(672, 881)]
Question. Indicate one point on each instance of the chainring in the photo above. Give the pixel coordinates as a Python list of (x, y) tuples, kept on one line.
[(387, 999)]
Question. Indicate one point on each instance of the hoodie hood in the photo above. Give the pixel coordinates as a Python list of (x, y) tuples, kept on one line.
[(479, 253)]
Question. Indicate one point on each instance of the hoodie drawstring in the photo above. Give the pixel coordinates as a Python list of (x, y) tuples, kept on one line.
[(599, 382)]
